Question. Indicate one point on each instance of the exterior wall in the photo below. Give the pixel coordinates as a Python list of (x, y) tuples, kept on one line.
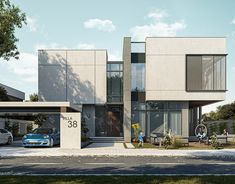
[(185, 120), (127, 89), (166, 67), (78, 76)]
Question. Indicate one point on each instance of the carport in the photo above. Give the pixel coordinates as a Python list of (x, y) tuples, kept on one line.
[(70, 118)]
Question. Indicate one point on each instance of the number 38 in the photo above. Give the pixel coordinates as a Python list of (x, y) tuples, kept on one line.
[(72, 124)]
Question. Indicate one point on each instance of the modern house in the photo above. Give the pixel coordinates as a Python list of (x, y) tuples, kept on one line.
[(161, 84)]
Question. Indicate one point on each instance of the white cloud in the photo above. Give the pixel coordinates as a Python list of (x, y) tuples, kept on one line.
[(32, 24), (85, 46), (158, 14), (159, 26), (114, 56), (25, 69), (102, 25), (49, 46)]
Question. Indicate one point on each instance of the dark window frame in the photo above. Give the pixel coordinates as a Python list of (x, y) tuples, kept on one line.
[(205, 90), (120, 97)]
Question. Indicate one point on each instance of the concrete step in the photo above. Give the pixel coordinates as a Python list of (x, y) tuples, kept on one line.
[(107, 139)]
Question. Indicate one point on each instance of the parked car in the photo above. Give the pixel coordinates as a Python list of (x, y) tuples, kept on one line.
[(5, 137), (42, 137)]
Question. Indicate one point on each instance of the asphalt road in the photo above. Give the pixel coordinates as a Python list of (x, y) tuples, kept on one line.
[(117, 165)]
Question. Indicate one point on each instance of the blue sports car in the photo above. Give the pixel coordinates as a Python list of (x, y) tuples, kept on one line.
[(42, 137)]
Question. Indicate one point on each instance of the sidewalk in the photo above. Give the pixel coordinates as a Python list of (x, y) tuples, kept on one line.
[(109, 149)]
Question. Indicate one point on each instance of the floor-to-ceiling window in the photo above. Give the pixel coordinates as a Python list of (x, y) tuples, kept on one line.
[(158, 117), (115, 82), (108, 121)]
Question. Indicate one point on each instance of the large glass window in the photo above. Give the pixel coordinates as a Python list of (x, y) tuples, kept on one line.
[(115, 82), (158, 117), (205, 72), (138, 77), (108, 121)]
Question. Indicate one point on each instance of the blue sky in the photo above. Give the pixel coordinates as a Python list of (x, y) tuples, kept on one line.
[(104, 23)]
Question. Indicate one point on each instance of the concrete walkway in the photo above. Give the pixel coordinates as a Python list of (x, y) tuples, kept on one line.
[(108, 149)]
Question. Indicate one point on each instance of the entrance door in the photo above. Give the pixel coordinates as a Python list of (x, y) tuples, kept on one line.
[(108, 121)]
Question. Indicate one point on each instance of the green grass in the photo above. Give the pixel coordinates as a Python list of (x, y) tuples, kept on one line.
[(116, 179)]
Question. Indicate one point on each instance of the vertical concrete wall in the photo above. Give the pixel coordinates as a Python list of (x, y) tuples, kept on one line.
[(78, 76), (70, 130), (127, 89), (185, 119), (52, 75), (166, 67)]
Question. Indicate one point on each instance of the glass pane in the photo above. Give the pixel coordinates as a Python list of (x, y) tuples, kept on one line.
[(175, 105), (156, 105), (194, 73), (138, 77), (156, 122), (207, 73), (175, 122), (138, 47), (108, 121), (139, 117), (114, 86), (219, 73)]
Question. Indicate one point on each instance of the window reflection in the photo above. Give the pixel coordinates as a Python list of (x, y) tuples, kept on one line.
[(138, 77)]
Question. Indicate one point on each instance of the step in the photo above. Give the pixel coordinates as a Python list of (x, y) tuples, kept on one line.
[(107, 139)]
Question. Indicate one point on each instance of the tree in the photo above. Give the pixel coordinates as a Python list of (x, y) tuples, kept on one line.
[(223, 112), (3, 94), (11, 17), (33, 97)]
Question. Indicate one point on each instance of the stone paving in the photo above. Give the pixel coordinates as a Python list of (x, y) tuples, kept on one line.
[(107, 149)]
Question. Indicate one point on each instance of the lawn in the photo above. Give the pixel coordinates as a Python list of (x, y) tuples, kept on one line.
[(116, 179), (192, 146)]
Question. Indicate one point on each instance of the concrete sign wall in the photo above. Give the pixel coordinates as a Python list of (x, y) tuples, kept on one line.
[(70, 130)]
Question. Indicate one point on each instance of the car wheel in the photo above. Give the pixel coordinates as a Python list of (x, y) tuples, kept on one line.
[(9, 141), (51, 142)]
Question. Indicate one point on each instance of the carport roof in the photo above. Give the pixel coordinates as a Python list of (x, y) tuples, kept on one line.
[(37, 107)]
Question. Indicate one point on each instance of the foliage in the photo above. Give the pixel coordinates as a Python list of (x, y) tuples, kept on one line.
[(176, 143), (39, 119), (137, 129), (3, 94), (29, 127), (15, 129), (214, 141), (11, 18), (8, 125), (233, 127), (223, 112), (84, 138), (84, 128), (222, 126), (168, 140), (33, 97)]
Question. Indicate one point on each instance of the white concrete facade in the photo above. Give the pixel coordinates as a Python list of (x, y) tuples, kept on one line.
[(77, 76), (166, 67)]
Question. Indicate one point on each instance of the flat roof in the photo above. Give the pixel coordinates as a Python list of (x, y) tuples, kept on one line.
[(13, 92), (35, 106)]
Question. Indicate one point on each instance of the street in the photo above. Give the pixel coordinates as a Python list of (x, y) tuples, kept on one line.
[(122, 165)]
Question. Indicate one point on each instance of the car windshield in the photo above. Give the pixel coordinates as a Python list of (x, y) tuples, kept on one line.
[(42, 131)]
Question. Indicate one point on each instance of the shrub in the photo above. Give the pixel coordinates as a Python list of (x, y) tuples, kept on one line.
[(168, 141), (176, 143), (214, 141)]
